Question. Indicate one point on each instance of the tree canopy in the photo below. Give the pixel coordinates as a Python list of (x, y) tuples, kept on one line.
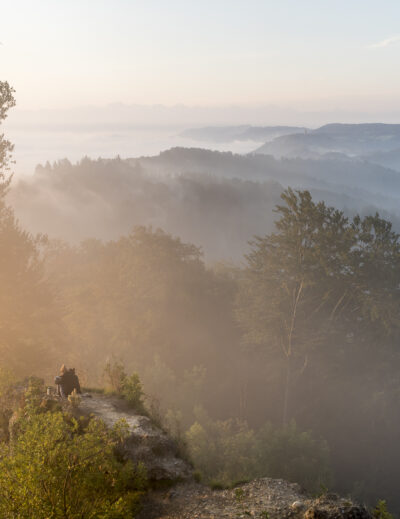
[(28, 317), (318, 279)]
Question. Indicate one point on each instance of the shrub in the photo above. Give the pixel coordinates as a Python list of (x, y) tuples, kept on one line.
[(53, 470), (172, 424), (132, 391), (222, 450), (129, 387), (229, 451), (381, 511), (114, 373), (33, 395), (294, 455), (7, 380)]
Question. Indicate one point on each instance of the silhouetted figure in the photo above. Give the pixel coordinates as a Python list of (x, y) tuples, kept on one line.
[(67, 381)]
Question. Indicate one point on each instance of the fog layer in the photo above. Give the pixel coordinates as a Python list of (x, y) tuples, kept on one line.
[(216, 199)]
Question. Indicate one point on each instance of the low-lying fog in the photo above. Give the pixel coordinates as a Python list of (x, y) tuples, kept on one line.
[(135, 130), (42, 145)]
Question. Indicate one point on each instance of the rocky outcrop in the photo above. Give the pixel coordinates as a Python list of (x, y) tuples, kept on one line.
[(262, 499), (146, 442)]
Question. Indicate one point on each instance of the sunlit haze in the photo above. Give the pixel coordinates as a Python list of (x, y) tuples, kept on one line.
[(199, 259)]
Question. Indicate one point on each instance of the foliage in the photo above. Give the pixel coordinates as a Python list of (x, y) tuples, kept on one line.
[(229, 451), (114, 373), (294, 455), (294, 282), (154, 296), (172, 422), (223, 451), (317, 280), (313, 335), (172, 390), (127, 386), (7, 380), (53, 470), (33, 396), (29, 318), (381, 511), (7, 101), (132, 391)]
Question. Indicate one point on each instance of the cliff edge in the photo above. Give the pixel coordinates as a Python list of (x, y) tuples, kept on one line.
[(263, 498), (146, 443)]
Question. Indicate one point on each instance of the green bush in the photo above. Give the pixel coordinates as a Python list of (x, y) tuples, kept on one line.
[(129, 387), (7, 380), (293, 455), (132, 391), (222, 451), (381, 511), (33, 395), (172, 424), (114, 373), (55, 470), (229, 451)]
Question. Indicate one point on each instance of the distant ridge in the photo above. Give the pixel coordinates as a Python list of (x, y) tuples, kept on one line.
[(364, 129), (354, 140)]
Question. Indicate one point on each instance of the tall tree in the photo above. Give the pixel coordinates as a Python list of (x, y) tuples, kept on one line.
[(27, 314), (312, 279), (7, 101)]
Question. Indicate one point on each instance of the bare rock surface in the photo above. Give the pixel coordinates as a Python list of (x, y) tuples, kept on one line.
[(146, 442), (262, 498)]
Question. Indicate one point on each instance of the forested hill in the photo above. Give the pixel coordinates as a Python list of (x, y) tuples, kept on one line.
[(355, 140), (377, 143), (217, 200)]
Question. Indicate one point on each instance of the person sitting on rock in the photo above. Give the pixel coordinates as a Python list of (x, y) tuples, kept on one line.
[(67, 381), (59, 379)]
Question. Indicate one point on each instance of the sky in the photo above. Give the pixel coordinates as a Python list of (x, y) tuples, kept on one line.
[(302, 54)]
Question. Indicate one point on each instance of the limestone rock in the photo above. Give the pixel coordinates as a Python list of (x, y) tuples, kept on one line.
[(146, 442), (263, 498)]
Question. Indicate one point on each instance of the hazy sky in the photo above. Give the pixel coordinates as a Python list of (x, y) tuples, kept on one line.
[(308, 54)]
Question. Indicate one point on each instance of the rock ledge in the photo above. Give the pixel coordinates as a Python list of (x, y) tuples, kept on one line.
[(146, 442), (262, 499)]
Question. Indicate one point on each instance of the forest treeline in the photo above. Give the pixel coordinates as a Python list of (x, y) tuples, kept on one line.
[(285, 365), (215, 200)]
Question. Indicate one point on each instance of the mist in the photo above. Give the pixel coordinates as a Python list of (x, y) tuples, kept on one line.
[(199, 234), (154, 261), (137, 130), (217, 200)]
